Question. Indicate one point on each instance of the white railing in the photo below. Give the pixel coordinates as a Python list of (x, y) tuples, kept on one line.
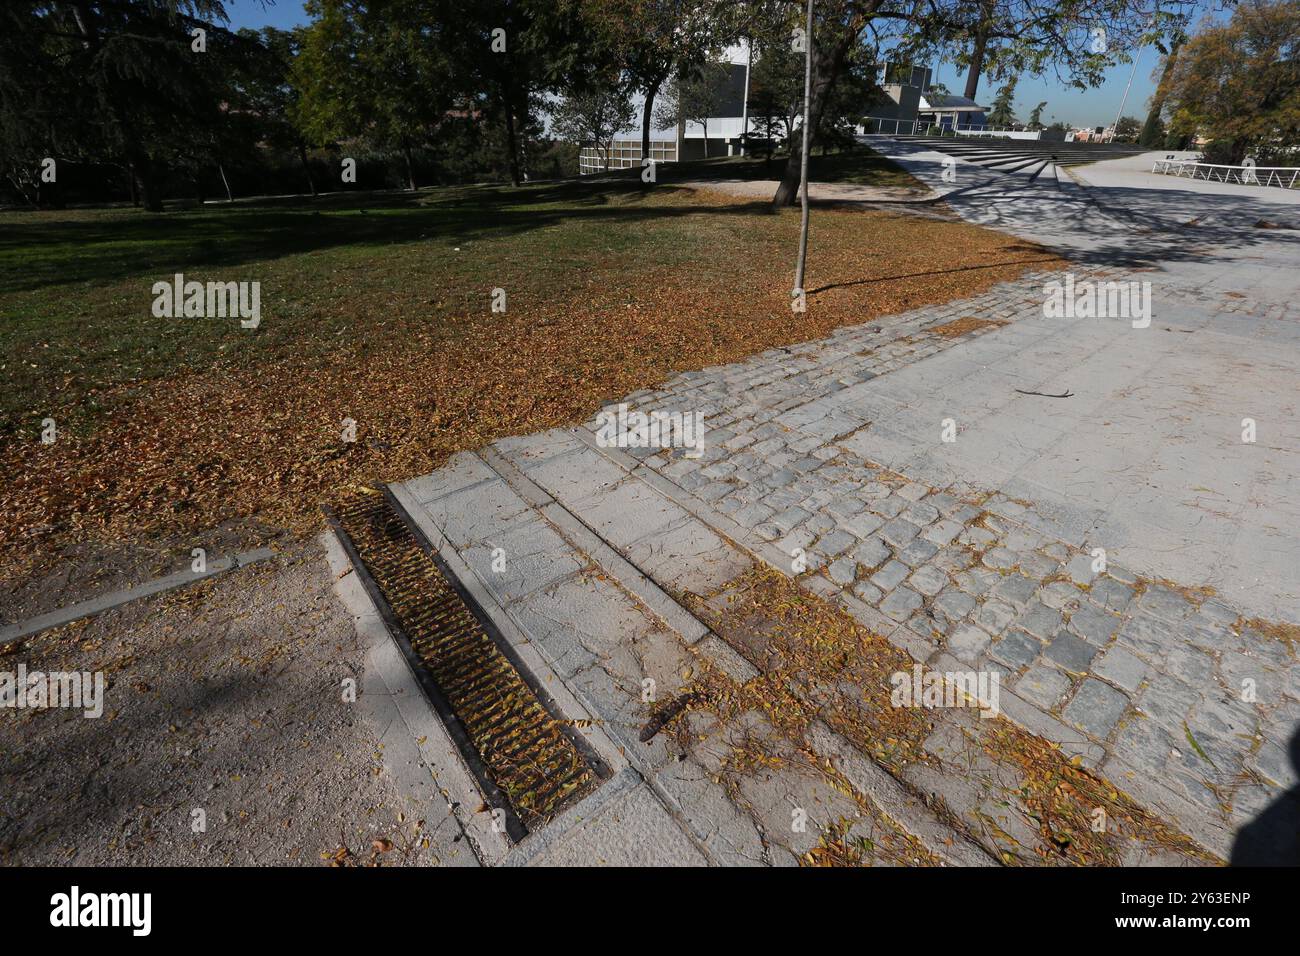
[(1285, 177), (897, 127)]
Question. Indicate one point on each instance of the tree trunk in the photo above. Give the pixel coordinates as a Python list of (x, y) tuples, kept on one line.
[(230, 197), (651, 91), (977, 54), (306, 168), (130, 180), (410, 167), (706, 139), (150, 198), (825, 71), (511, 144)]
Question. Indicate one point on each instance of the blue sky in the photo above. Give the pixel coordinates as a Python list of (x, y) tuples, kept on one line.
[(1094, 107)]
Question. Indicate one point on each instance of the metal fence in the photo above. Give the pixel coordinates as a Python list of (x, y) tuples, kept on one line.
[(899, 127), (1286, 177)]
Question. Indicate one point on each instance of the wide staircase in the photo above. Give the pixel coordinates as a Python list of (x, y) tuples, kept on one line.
[(1033, 159)]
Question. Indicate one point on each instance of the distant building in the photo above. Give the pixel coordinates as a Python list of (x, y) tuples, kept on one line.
[(685, 141), (951, 112)]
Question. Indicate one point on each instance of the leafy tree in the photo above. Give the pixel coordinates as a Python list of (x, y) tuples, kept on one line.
[(1023, 36), (267, 95), (1003, 111), (91, 80), (594, 115), (1240, 81), (653, 40), (695, 97), (1127, 129), (376, 69), (1036, 116)]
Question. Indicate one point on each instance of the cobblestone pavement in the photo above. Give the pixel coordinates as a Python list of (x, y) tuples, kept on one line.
[(1169, 670)]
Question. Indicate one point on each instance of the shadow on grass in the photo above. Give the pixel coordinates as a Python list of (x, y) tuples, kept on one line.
[(941, 272), (41, 249)]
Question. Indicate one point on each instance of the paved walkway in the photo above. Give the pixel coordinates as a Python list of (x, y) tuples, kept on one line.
[(1169, 670)]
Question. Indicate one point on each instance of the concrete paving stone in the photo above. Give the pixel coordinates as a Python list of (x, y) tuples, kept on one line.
[(900, 603), (1190, 665), (845, 507), (1121, 667), (1166, 700), (889, 507), (628, 512), (460, 472), (1071, 652), (1043, 685), (1149, 636), (920, 513), (836, 543), (634, 830), (727, 833), (912, 491), (1061, 596), (977, 537), (753, 514), (899, 532), (952, 559), (790, 518), (842, 571), (768, 531), (995, 616), (820, 523), (871, 552), (968, 642), (1039, 620), (1093, 624), (954, 603), (1274, 762), (863, 524), (868, 592), (688, 557), (1096, 707), (1017, 649), (964, 513), (1167, 604), (1239, 672), (534, 557), (1079, 568), (942, 532), (927, 580), (978, 580), (918, 552), (1145, 745), (942, 501), (1038, 566), (891, 575), (1015, 589), (1000, 558), (473, 513)]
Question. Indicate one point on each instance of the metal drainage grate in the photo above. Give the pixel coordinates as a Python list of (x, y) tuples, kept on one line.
[(528, 763)]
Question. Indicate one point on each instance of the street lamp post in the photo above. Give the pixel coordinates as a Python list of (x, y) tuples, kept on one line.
[(797, 293)]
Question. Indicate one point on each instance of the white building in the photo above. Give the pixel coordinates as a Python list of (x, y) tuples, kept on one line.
[(685, 141)]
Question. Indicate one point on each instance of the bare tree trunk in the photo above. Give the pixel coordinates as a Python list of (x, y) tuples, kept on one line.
[(511, 144), (826, 65), (651, 91), (130, 179), (230, 197), (977, 54), (410, 167), (306, 168)]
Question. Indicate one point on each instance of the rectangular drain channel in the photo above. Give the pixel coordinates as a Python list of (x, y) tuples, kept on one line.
[(528, 763)]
